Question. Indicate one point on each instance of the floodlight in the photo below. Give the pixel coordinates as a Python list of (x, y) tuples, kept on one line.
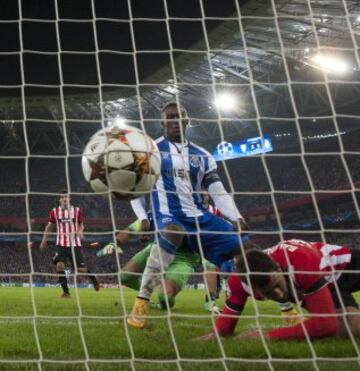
[(225, 101), (330, 64)]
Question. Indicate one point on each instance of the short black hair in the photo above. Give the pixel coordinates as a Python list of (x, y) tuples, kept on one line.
[(257, 261), (63, 192)]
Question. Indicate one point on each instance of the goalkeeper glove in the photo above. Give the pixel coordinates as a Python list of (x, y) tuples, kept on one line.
[(291, 316), (109, 249)]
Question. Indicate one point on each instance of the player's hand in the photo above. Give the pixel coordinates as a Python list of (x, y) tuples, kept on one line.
[(251, 334), (207, 337), (241, 225), (145, 227), (43, 245)]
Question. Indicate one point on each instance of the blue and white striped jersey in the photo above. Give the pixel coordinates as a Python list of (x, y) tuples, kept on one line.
[(183, 169)]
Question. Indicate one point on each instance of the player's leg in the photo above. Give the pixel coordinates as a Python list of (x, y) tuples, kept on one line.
[(347, 284), (82, 267), (167, 294), (219, 241), (177, 276), (342, 294), (346, 304), (135, 265), (350, 320), (60, 261), (211, 278), (161, 256)]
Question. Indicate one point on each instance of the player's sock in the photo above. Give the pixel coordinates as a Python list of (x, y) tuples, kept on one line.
[(93, 280), (63, 282), (157, 263), (163, 303), (213, 296), (130, 280)]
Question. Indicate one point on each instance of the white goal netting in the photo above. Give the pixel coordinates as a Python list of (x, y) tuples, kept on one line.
[(272, 86)]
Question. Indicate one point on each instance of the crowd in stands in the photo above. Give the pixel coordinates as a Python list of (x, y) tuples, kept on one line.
[(18, 262), (268, 191)]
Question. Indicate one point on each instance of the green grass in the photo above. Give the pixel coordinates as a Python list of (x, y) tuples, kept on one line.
[(106, 336)]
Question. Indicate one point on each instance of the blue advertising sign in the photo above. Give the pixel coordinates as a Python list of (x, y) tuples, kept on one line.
[(242, 148)]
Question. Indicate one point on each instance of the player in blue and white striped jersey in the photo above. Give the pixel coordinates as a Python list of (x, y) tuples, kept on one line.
[(180, 218)]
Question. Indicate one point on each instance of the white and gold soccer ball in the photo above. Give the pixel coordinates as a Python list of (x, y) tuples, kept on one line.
[(121, 160)]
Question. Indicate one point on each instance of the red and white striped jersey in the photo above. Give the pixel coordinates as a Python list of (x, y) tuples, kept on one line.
[(215, 211), (306, 262), (67, 224)]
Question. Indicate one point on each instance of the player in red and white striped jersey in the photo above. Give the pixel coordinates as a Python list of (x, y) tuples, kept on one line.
[(69, 230), (301, 272)]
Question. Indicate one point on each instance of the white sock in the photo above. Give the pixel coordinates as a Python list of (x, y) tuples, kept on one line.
[(157, 263)]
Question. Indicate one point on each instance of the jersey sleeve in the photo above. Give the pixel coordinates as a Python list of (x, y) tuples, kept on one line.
[(210, 164), (325, 322), (52, 218), (234, 305)]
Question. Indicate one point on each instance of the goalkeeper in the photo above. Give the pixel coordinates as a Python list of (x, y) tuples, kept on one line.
[(178, 272)]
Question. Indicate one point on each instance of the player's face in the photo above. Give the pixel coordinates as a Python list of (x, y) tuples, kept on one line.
[(175, 123), (276, 289), (64, 200)]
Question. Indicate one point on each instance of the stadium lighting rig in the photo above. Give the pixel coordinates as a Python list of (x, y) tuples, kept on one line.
[(225, 101), (329, 63)]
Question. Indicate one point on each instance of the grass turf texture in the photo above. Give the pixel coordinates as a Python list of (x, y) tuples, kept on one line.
[(105, 335)]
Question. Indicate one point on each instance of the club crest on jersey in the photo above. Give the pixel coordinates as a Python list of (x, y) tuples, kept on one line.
[(195, 161), (165, 155)]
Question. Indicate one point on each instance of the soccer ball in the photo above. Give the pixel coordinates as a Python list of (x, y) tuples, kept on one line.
[(225, 149), (121, 160)]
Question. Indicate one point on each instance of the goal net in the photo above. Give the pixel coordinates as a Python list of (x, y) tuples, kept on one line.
[(271, 88)]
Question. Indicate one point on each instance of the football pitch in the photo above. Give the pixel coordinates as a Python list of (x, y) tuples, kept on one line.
[(66, 338)]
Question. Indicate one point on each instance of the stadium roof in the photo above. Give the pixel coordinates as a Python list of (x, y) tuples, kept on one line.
[(239, 53)]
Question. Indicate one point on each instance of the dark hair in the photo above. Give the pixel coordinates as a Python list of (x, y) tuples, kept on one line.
[(63, 192), (172, 103), (257, 261)]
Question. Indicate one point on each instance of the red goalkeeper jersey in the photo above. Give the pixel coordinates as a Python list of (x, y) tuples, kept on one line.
[(311, 268)]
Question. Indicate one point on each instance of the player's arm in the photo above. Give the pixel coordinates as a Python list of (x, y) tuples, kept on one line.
[(223, 200), (323, 323), (45, 238), (139, 207), (48, 229), (234, 305), (80, 226), (80, 230)]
